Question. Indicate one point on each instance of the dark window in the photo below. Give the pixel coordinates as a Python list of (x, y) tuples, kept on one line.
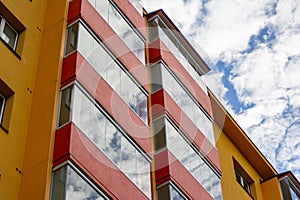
[(65, 106), (243, 178), (242, 181)]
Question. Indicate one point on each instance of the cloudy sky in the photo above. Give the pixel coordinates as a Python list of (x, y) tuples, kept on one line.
[(253, 49)]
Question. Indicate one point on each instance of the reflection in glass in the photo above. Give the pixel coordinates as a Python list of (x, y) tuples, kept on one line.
[(161, 31), (192, 161), (187, 104), (117, 22), (111, 140), (65, 106), (168, 191), (106, 66), (174, 194), (69, 185)]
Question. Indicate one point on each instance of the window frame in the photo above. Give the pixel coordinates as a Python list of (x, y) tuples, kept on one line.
[(243, 178), (242, 181), (2, 107), (3, 23)]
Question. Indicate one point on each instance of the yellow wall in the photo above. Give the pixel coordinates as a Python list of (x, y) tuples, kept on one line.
[(230, 187), (25, 161), (271, 189)]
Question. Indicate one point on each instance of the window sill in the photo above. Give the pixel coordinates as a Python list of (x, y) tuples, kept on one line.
[(11, 49)]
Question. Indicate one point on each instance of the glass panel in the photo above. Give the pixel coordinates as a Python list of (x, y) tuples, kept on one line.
[(173, 45), (65, 106), (108, 138), (137, 5), (2, 104), (77, 188), (174, 194), (192, 161), (71, 43), (9, 35), (68, 185), (113, 17), (163, 192), (59, 184), (187, 104), (112, 73)]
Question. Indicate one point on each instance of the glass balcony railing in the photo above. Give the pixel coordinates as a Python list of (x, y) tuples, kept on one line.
[(174, 45), (192, 161), (137, 4)]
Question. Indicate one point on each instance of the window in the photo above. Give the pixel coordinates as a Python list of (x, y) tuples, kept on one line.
[(69, 183), (289, 189), (6, 103), (8, 34), (169, 191), (106, 65), (77, 106), (2, 103), (242, 177), (242, 181), (11, 31)]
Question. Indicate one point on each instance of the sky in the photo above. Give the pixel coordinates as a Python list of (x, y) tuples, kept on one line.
[(253, 50)]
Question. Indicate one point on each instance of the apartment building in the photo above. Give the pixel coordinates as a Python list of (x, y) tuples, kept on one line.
[(102, 100)]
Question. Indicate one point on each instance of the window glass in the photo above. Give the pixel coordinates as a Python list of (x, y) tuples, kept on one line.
[(111, 140), (187, 104), (107, 66), (69, 185), (168, 191), (65, 106), (72, 39), (192, 161), (8, 34), (175, 195), (122, 28), (165, 35), (2, 104)]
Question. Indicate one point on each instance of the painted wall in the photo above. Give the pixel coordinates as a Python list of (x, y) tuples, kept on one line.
[(25, 162), (231, 189)]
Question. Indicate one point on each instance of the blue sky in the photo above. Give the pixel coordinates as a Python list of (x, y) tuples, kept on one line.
[(253, 50)]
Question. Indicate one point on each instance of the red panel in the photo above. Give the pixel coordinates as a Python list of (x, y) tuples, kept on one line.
[(115, 44), (69, 68), (154, 51), (74, 10), (62, 145), (157, 101), (162, 173), (99, 168), (112, 103)]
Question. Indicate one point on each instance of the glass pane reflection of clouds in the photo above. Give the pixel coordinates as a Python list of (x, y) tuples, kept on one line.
[(108, 138), (107, 67), (78, 189), (192, 161)]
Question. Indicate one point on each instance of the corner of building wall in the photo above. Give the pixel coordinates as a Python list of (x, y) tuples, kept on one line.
[(37, 165)]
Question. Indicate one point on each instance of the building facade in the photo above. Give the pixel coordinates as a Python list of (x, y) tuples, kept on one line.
[(31, 52), (109, 104)]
